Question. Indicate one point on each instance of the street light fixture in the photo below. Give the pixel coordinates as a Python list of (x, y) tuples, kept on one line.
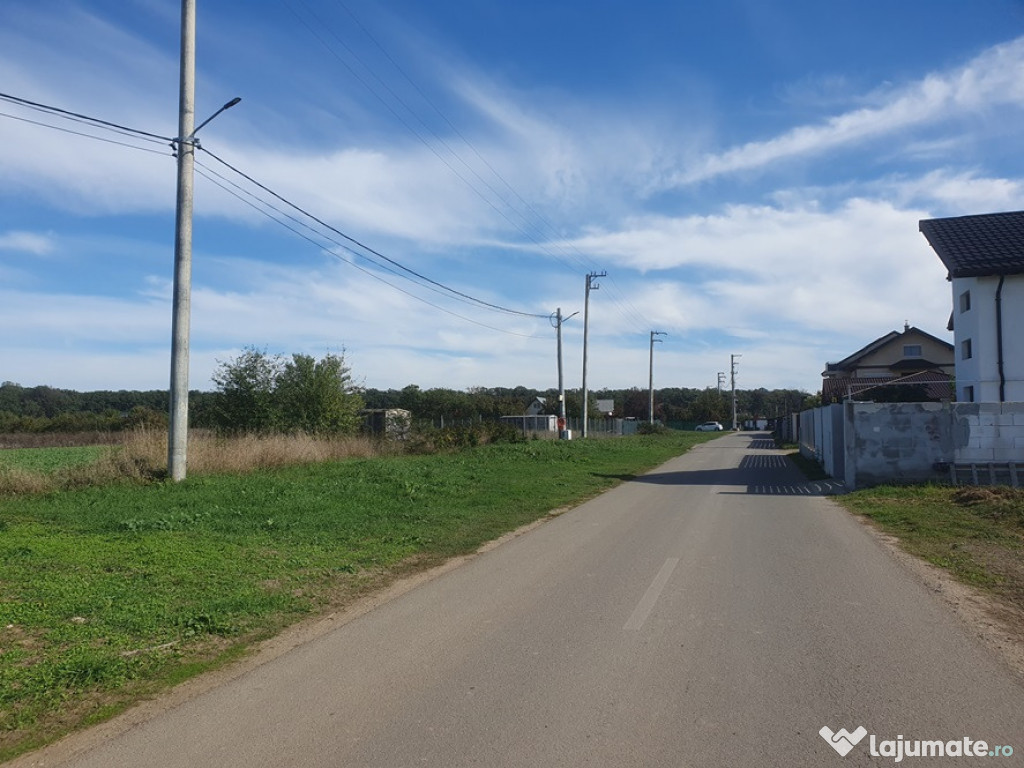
[(229, 105)]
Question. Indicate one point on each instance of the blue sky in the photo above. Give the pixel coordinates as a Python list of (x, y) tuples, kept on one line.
[(749, 173)]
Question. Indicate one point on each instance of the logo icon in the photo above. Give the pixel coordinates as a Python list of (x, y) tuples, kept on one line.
[(842, 741)]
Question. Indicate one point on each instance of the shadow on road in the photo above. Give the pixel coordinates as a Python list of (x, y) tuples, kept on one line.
[(763, 475)]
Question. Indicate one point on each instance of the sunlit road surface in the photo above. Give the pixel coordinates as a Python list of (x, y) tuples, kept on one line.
[(719, 611)]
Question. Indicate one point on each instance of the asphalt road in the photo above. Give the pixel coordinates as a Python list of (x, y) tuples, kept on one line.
[(716, 612)]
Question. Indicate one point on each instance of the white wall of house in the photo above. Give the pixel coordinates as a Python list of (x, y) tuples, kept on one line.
[(974, 332)]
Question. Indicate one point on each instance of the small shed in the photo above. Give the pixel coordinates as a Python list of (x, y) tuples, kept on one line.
[(392, 423)]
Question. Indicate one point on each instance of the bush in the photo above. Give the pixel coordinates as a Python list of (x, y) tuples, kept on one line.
[(651, 428), (264, 394), (453, 438)]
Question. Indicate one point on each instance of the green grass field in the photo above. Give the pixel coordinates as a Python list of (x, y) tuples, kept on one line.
[(107, 593), (50, 459)]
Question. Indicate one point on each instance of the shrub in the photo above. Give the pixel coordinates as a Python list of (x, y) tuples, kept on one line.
[(651, 428)]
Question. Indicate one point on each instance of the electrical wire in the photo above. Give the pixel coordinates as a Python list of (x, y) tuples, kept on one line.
[(378, 254), (84, 135), (302, 224), (395, 267), (208, 174), (465, 140), (362, 81), (82, 118), (628, 310)]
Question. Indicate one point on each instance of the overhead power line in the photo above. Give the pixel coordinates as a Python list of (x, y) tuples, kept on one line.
[(547, 235), (84, 135), (78, 117), (385, 262), (378, 254), (209, 175)]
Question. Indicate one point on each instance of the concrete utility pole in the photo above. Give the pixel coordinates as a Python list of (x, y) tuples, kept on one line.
[(563, 431), (721, 381), (185, 147), (733, 364), (650, 399), (591, 286), (177, 442)]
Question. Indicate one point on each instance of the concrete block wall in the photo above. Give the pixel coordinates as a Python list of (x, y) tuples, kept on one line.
[(895, 442), (808, 431), (876, 443), (988, 432)]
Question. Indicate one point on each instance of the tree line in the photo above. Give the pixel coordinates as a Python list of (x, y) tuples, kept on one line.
[(259, 392), (671, 405)]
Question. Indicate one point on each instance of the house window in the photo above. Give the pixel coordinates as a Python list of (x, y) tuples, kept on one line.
[(968, 394), (965, 301), (912, 350), (966, 352)]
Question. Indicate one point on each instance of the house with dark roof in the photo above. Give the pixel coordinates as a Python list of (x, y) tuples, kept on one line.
[(984, 257), (921, 365), (537, 406)]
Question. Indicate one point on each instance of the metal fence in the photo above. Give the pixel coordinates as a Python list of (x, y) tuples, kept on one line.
[(595, 427)]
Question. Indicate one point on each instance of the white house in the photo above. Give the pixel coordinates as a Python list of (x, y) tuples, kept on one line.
[(537, 406), (984, 256)]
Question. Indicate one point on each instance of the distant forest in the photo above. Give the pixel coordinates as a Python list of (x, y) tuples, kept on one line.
[(47, 409)]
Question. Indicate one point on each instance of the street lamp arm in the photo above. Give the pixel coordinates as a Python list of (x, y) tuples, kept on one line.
[(229, 105), (558, 320)]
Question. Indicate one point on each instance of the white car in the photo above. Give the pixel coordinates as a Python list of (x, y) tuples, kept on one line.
[(710, 426)]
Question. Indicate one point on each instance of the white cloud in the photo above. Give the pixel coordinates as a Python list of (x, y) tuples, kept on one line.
[(26, 242), (857, 270), (959, 193), (405, 193), (811, 277), (994, 77), (64, 320)]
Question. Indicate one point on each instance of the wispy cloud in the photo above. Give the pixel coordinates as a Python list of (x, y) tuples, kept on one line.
[(26, 242), (994, 77), (952, 194), (802, 266), (786, 273)]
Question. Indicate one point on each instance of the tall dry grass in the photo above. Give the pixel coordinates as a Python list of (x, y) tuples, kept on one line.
[(58, 439), (142, 457), (212, 454)]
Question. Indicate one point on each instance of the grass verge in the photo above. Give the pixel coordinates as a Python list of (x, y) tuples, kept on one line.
[(976, 534), (109, 593)]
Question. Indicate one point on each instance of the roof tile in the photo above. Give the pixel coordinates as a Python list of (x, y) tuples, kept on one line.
[(975, 246)]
